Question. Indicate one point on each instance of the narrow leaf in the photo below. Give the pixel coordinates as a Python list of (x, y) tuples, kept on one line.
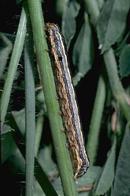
[(122, 176), (29, 115), (112, 22), (15, 57), (107, 176)]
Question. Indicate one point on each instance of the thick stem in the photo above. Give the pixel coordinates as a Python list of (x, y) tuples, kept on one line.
[(47, 80)]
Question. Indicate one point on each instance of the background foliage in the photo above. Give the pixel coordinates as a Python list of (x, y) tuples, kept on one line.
[(35, 160)]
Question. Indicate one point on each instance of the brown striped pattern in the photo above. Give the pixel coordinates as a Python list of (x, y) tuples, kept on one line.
[(67, 101)]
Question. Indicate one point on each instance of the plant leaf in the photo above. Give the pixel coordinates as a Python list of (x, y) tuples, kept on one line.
[(122, 176), (8, 146), (111, 22), (83, 49), (19, 117), (46, 161), (69, 21), (124, 61), (107, 176)]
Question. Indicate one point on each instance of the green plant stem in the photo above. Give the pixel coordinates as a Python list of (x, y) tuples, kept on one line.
[(112, 72), (15, 57), (39, 127), (29, 116), (115, 83), (94, 129), (47, 79), (110, 64)]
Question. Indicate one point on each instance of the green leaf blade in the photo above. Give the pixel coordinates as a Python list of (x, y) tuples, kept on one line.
[(111, 22)]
